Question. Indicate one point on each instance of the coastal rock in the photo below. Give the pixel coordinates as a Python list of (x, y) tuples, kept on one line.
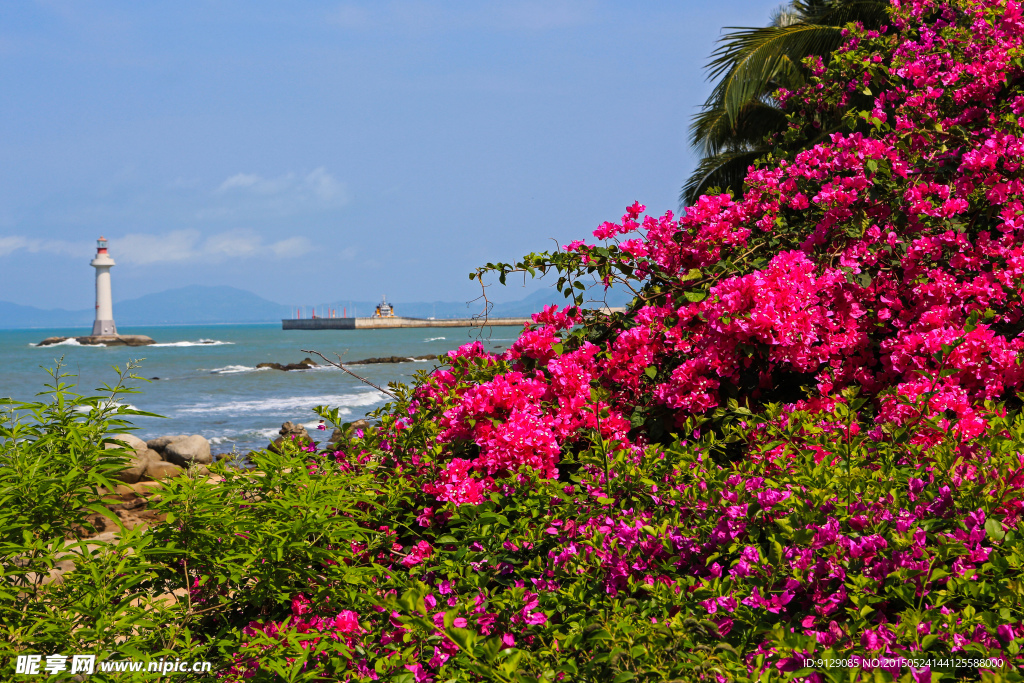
[(139, 466), (105, 340), (343, 435), (50, 341), (161, 442), (159, 470), (117, 340), (191, 449), (152, 456), (304, 364), (392, 359), (290, 432), (134, 443)]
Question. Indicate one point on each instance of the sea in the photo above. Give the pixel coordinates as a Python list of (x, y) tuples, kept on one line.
[(204, 380)]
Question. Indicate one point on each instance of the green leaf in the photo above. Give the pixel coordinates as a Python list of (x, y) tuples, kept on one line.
[(463, 637), (994, 529)]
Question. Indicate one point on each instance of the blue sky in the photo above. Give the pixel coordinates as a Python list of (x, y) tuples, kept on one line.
[(317, 151)]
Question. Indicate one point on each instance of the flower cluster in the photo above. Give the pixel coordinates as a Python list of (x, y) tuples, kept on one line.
[(795, 442)]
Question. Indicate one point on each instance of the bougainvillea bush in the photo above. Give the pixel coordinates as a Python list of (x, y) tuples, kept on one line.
[(799, 454)]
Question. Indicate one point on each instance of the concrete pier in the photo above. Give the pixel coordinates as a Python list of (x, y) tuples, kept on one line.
[(391, 323)]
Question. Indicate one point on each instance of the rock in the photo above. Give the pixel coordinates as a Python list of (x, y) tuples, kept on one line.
[(152, 456), (191, 449), (341, 435), (157, 471), (138, 467), (290, 432), (392, 359), (160, 443), (116, 340), (135, 443), (53, 340), (105, 340), (304, 364)]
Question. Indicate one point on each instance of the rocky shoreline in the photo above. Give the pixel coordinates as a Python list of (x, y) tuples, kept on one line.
[(166, 457)]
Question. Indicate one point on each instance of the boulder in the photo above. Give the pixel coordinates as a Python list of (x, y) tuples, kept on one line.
[(342, 435), (134, 443), (159, 470), (290, 432), (138, 467), (53, 340), (304, 364), (152, 456), (191, 449), (160, 443)]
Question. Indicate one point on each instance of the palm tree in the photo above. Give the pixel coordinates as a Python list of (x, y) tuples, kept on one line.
[(750, 64)]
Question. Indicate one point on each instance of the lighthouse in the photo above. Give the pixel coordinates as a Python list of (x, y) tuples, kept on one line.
[(104, 325)]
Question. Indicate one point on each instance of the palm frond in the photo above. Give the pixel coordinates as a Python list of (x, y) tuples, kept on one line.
[(726, 170), (712, 130), (871, 13)]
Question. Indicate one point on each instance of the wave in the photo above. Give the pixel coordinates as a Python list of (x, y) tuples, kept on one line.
[(232, 369), (70, 341), (287, 403), (267, 434), (430, 339), (201, 342)]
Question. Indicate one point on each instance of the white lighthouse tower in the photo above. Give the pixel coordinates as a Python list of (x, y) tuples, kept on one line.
[(104, 325)]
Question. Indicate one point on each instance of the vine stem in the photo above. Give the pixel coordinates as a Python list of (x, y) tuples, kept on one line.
[(342, 367)]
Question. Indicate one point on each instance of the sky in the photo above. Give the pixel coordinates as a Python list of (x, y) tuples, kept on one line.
[(319, 151)]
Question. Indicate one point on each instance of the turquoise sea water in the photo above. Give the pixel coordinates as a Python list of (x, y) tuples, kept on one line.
[(213, 389)]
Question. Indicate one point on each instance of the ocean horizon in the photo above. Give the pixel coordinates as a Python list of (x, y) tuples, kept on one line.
[(203, 379)]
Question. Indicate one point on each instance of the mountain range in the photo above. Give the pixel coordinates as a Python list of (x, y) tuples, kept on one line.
[(198, 304)]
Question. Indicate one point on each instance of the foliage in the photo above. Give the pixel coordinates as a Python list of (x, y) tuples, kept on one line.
[(800, 442), (55, 471), (742, 119)]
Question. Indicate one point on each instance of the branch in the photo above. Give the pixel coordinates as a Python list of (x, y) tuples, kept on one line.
[(342, 367)]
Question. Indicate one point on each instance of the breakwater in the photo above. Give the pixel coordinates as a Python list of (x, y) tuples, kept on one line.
[(396, 322)]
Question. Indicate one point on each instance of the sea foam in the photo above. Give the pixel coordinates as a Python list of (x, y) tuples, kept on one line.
[(201, 342), (232, 369), (286, 403)]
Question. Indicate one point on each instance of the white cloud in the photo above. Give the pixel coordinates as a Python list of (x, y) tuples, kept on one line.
[(173, 247), (141, 248), (325, 186), (11, 244), (316, 187), (293, 246), (189, 245), (239, 180)]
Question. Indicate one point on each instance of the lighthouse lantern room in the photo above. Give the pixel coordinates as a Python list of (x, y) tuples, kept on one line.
[(104, 325)]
